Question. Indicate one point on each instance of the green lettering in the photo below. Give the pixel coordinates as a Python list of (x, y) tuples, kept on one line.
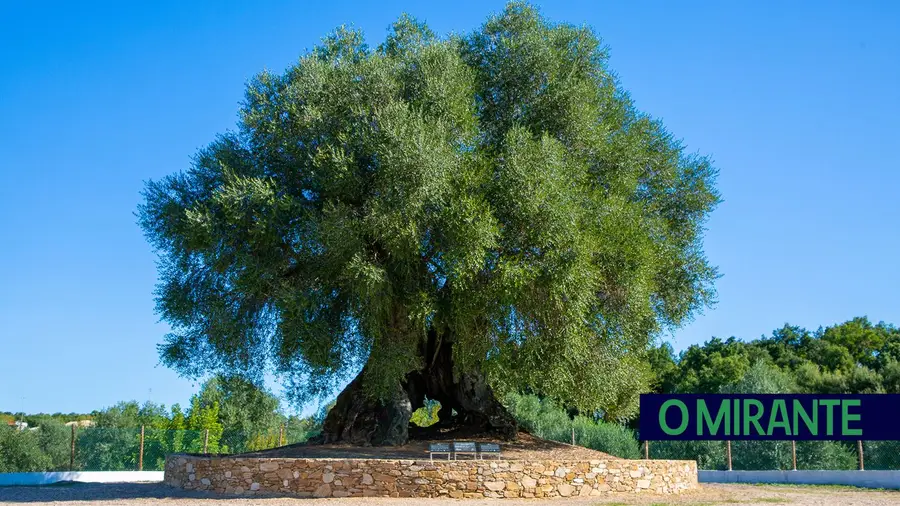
[(811, 423), (737, 417), (752, 418), (722, 415), (846, 418), (779, 407), (662, 417), (829, 414)]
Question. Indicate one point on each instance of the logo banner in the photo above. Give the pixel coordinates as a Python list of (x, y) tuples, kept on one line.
[(770, 416)]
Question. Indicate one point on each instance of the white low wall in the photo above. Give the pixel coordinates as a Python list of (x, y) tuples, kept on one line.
[(8, 479), (867, 479)]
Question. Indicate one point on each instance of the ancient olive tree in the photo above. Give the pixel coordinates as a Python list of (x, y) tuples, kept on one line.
[(448, 217)]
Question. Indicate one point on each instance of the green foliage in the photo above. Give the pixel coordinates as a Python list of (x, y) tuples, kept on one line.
[(261, 441), (108, 449), (131, 414), (546, 420), (54, 440), (823, 455), (499, 189), (860, 339), (881, 454), (811, 455), (20, 451), (243, 405), (160, 442), (612, 438), (239, 415), (205, 418), (661, 360), (758, 455), (427, 415), (762, 378), (852, 357), (763, 455), (299, 429), (710, 368), (708, 454)]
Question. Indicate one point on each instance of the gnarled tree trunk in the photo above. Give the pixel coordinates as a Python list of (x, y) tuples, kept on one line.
[(356, 419)]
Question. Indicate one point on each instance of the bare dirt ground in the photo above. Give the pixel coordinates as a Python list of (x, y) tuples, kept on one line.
[(156, 494), (525, 447)]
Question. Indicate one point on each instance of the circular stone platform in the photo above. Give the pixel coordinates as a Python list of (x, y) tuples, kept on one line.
[(322, 477)]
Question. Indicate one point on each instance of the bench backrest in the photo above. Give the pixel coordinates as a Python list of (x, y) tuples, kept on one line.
[(463, 446), (488, 448), (439, 448)]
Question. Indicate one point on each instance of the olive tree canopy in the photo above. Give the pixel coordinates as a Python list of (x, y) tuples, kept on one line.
[(450, 216)]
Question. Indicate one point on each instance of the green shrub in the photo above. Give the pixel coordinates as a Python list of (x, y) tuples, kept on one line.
[(880, 455), (546, 420), (55, 441), (758, 455), (20, 452), (107, 449), (611, 438), (827, 455), (761, 455), (710, 455)]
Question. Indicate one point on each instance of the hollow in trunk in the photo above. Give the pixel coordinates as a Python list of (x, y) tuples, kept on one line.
[(466, 401)]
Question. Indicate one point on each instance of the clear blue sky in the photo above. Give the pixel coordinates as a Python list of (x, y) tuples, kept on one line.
[(798, 103)]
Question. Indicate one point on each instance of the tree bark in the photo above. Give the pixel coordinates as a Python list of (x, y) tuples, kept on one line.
[(358, 420)]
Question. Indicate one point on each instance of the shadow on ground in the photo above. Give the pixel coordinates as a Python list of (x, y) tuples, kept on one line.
[(72, 491)]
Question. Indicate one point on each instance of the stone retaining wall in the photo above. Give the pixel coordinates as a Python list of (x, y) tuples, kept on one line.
[(423, 478)]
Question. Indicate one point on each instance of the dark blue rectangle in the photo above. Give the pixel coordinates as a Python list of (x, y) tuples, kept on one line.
[(868, 416)]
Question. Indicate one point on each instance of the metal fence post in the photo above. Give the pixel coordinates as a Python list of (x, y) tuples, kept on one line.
[(794, 454), (728, 453), (141, 451), (646, 450), (859, 449), (72, 453), (206, 442)]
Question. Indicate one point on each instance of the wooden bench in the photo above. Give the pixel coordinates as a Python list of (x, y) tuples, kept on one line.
[(440, 448), (490, 448), (464, 447)]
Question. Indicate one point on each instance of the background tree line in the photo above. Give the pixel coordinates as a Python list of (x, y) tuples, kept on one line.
[(227, 415), (852, 357), (856, 356)]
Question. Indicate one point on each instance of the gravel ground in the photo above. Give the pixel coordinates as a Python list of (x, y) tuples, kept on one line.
[(155, 494)]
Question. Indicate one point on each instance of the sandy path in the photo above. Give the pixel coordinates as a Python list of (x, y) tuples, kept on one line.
[(709, 495)]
